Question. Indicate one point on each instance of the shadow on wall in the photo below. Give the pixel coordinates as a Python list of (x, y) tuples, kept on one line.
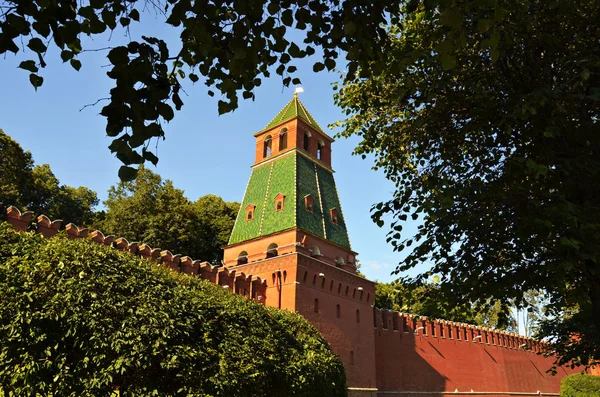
[(429, 357), (400, 362)]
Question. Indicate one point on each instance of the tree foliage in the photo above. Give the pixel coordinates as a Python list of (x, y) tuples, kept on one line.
[(83, 319), (427, 300), (16, 166), (230, 45), (36, 188), (485, 115), (580, 385), (151, 210)]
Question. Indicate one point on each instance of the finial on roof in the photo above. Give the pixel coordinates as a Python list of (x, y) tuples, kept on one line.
[(298, 90)]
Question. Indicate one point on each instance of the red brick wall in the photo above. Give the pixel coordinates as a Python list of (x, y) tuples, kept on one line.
[(352, 340), (434, 359)]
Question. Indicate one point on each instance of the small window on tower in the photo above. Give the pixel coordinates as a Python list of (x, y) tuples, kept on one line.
[(283, 139), (334, 216), (267, 146), (279, 201), (306, 142), (250, 212), (309, 203), (320, 146)]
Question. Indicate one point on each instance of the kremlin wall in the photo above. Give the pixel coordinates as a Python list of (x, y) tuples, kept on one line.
[(290, 249)]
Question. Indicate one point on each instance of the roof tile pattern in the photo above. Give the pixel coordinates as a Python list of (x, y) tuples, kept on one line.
[(329, 197), (295, 176), (294, 108)]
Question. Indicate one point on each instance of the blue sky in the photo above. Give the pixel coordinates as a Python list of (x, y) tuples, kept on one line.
[(204, 153)]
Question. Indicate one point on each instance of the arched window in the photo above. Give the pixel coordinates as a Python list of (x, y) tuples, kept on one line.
[(320, 147), (340, 288), (315, 279), (309, 203), (316, 305), (305, 275), (305, 143), (357, 316), (333, 213), (267, 144), (284, 276), (347, 288), (250, 212), (283, 139), (272, 250), (279, 201), (242, 258), (315, 251), (331, 286), (338, 311)]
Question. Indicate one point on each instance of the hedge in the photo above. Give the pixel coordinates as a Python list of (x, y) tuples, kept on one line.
[(580, 385), (80, 319)]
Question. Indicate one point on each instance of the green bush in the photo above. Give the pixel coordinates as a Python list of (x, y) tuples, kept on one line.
[(78, 318), (580, 385)]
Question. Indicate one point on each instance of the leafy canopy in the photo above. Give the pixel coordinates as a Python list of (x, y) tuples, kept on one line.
[(152, 211), (229, 45), (83, 319), (428, 300), (486, 115), (36, 188)]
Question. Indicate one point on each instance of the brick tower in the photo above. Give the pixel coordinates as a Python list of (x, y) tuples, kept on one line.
[(291, 231)]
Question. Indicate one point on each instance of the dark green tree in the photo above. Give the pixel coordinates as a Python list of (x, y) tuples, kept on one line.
[(151, 210), (16, 167), (486, 116), (217, 218), (427, 300), (58, 201), (229, 45), (37, 189)]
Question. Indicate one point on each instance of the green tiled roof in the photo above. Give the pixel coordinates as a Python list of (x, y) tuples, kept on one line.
[(293, 109), (295, 176)]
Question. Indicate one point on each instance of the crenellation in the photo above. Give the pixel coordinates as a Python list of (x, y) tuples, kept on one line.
[(20, 220), (46, 227), (246, 284), (73, 231)]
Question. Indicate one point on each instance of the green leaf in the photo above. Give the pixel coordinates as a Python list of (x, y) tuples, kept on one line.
[(149, 156), (318, 66), (165, 111), (448, 61), (65, 55), (118, 55), (127, 173), (451, 17), (287, 18), (29, 65), (37, 45), (350, 28), (76, 64), (495, 54), (135, 15), (484, 25), (36, 81)]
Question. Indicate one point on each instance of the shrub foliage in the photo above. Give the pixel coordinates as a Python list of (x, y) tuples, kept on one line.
[(580, 385), (78, 318)]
